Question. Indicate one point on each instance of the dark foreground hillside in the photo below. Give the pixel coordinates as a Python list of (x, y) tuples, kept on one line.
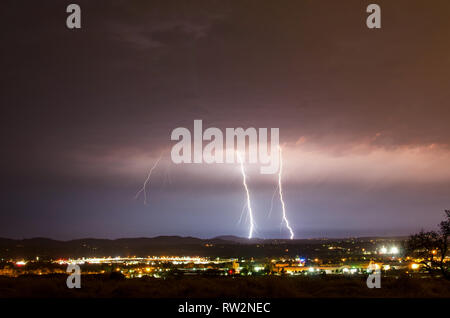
[(213, 287)]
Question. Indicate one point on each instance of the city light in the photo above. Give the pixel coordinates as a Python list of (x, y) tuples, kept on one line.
[(415, 266), (163, 266), (394, 250)]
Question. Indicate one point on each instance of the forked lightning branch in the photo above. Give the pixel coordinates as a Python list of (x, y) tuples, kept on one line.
[(233, 151)]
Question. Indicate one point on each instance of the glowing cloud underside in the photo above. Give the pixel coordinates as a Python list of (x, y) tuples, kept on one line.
[(249, 206), (280, 172), (144, 186)]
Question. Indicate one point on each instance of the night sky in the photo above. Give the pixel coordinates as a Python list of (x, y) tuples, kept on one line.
[(364, 116)]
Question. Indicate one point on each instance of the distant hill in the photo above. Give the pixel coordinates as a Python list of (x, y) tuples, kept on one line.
[(237, 239), (222, 246)]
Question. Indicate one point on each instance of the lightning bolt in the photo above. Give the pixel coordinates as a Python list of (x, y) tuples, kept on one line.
[(271, 202), (280, 172), (249, 206), (242, 213), (144, 186)]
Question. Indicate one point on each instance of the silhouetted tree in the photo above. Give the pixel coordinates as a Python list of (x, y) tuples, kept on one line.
[(432, 247), (116, 276)]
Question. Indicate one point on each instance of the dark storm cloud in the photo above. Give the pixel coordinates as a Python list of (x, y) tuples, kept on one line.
[(93, 108)]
